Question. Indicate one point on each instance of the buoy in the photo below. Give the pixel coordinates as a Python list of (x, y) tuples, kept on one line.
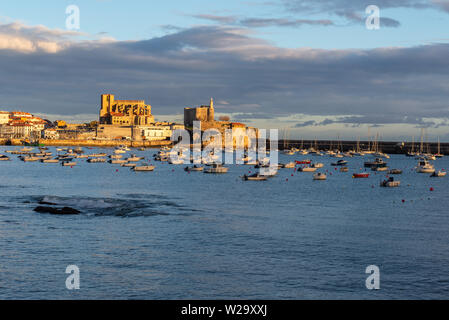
[(286, 179), (403, 200), (431, 189), (116, 170), (292, 174)]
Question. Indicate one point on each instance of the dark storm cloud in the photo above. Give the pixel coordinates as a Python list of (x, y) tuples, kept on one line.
[(186, 68)]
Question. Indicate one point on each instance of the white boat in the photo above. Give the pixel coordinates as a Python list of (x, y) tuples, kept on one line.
[(390, 183), (129, 165), (307, 169), (115, 156), (194, 168), (319, 176), (289, 165), (119, 151), (117, 161), (30, 159), (4, 158), (425, 167), (216, 168), (134, 158), (438, 174), (317, 165), (379, 168), (144, 168)]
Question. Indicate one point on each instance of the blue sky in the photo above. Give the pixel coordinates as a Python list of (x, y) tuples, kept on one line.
[(310, 65)]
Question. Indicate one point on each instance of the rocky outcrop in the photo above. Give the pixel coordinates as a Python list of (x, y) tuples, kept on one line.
[(61, 211)]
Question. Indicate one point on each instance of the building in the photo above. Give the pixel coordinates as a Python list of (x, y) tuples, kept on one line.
[(203, 114), (4, 117), (124, 112), (50, 133)]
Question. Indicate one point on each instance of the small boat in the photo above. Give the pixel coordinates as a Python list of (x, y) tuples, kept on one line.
[(119, 151), (96, 160), (50, 160), (289, 165), (194, 168), (30, 159), (378, 162), (317, 165), (360, 175), (390, 183), (134, 158), (395, 171), (307, 169), (254, 177), (143, 168), (340, 163), (379, 168), (344, 169), (438, 174), (129, 165), (4, 158), (319, 176), (216, 168), (307, 161), (117, 161), (115, 156), (68, 163), (425, 167)]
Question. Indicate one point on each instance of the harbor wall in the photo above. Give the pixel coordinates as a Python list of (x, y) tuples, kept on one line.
[(92, 143)]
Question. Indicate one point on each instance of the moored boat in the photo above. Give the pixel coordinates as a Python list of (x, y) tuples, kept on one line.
[(143, 168), (390, 183), (254, 177), (438, 174), (319, 176), (360, 175)]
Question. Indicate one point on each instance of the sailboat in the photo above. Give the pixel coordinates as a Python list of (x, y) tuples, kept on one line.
[(438, 154)]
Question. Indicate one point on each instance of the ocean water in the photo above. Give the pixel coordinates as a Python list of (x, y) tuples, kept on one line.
[(169, 234)]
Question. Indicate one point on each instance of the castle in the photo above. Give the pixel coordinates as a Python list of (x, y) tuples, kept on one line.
[(124, 112), (203, 114)]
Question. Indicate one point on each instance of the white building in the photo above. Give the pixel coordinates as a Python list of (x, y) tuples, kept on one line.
[(4, 117)]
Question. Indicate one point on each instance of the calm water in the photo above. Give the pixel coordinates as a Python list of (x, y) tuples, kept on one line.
[(169, 234)]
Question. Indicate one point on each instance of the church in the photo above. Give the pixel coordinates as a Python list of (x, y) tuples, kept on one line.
[(124, 112)]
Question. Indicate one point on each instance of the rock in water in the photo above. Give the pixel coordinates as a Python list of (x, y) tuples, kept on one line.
[(62, 211)]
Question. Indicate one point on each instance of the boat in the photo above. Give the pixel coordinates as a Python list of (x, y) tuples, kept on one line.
[(254, 177), (115, 156), (194, 168), (4, 158), (134, 158), (340, 163), (317, 165), (129, 165), (390, 183), (143, 168), (50, 160), (438, 174), (439, 154), (289, 165), (96, 160), (216, 168), (425, 166), (379, 168), (378, 162), (319, 176), (68, 163), (117, 151), (307, 169), (303, 161), (395, 171), (344, 169), (29, 159), (360, 175), (118, 161)]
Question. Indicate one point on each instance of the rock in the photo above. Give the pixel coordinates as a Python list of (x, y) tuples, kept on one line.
[(62, 211), (48, 203)]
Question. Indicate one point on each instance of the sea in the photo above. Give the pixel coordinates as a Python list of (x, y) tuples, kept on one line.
[(170, 234)]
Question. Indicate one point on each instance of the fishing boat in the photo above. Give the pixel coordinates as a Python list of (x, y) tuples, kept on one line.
[(143, 168), (390, 183), (254, 177), (360, 175), (438, 174), (319, 176), (395, 171), (425, 167), (339, 163), (194, 168), (216, 168)]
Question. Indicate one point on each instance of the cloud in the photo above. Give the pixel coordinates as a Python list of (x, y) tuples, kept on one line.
[(263, 22), (255, 78)]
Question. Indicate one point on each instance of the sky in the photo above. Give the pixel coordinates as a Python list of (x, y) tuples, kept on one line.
[(308, 67)]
